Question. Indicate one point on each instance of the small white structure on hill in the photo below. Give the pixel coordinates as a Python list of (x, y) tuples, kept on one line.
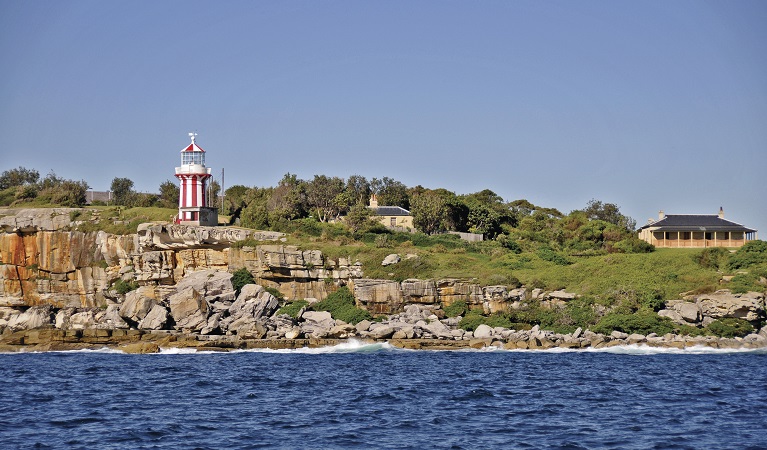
[(193, 202)]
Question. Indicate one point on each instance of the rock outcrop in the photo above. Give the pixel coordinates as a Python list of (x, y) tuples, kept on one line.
[(702, 309)]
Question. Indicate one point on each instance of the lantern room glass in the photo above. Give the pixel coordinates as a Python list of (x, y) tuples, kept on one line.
[(193, 158)]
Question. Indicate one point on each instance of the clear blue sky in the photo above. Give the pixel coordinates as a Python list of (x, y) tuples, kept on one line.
[(647, 104)]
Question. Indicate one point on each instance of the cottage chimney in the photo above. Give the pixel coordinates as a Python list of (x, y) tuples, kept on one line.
[(661, 215), (721, 212), (373, 201)]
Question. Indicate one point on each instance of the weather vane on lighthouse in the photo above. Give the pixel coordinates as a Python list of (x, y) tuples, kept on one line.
[(193, 135)]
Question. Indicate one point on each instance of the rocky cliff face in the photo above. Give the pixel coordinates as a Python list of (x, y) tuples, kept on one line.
[(51, 276)]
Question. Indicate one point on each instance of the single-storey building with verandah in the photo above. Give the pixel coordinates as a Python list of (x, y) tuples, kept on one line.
[(695, 231)]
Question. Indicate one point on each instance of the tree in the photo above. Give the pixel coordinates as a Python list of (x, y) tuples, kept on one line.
[(70, 193), (321, 195), (390, 192), (60, 191), (428, 210), (18, 177), (255, 214), (288, 199), (358, 189), (122, 191), (486, 213), (169, 193), (609, 212), (359, 217), (235, 199)]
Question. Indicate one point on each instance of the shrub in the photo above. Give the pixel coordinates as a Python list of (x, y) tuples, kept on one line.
[(642, 322), (730, 327), (751, 254), (275, 292), (547, 254), (455, 309), (633, 245), (382, 241), (293, 308), (509, 243), (473, 319), (123, 287), (745, 282), (712, 258), (240, 278), (341, 306)]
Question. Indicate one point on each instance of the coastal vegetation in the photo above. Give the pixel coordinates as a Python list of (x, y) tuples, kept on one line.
[(621, 281)]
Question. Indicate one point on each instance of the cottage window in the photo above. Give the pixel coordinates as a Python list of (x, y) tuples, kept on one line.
[(393, 221)]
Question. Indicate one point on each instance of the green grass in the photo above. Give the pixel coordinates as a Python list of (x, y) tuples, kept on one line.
[(121, 220), (665, 273)]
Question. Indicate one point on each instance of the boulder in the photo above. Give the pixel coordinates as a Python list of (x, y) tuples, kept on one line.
[(483, 331), (208, 283), (111, 319), (34, 317), (381, 332), (254, 301), (363, 325), (724, 304), (438, 329), (213, 325), (317, 324), (189, 309), (136, 306), (156, 319), (673, 315), (82, 320), (689, 312), (391, 259), (618, 335), (62, 318), (561, 295)]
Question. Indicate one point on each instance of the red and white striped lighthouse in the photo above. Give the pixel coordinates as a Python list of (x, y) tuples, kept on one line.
[(193, 207)]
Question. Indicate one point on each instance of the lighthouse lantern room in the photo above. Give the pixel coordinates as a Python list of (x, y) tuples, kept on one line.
[(193, 176)]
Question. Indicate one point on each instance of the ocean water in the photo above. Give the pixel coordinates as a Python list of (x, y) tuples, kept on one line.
[(376, 396)]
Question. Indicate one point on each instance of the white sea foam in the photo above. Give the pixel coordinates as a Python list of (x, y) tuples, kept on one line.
[(639, 349), (105, 350), (350, 346)]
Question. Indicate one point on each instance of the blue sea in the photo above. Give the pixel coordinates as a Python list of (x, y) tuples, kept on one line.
[(379, 397)]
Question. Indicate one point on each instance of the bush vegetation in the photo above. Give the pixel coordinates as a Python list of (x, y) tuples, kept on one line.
[(293, 308), (341, 305), (730, 327), (240, 278), (122, 287)]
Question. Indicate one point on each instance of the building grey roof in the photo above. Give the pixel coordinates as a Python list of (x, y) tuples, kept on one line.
[(390, 211), (695, 222)]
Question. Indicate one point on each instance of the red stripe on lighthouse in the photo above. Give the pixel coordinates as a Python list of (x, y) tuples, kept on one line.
[(194, 191)]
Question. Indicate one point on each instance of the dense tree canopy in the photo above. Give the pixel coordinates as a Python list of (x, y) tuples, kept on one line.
[(18, 177), (122, 191), (599, 227)]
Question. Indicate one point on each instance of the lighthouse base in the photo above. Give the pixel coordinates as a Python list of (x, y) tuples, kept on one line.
[(199, 216)]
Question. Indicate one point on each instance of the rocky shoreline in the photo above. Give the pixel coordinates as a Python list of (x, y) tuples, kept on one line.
[(417, 329), (171, 286), (141, 342)]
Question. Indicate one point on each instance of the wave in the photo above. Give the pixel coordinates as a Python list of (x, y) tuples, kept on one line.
[(350, 346), (639, 350), (356, 346), (105, 350)]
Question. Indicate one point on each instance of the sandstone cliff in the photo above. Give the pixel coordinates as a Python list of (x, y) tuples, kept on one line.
[(56, 278)]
